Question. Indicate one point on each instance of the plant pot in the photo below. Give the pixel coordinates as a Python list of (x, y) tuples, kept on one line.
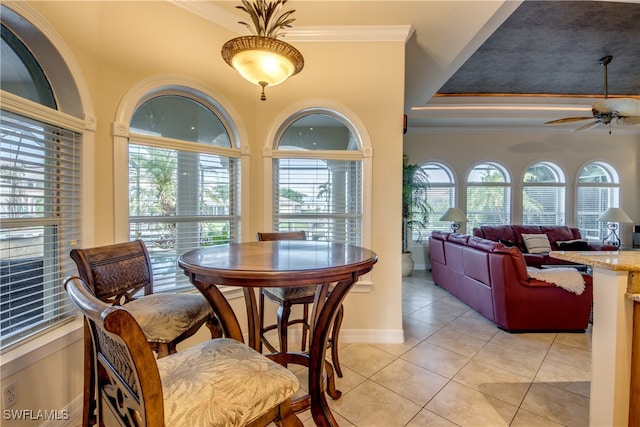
[(407, 264)]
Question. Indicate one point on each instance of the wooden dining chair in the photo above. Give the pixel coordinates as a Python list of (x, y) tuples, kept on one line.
[(116, 274), (221, 382), (286, 298)]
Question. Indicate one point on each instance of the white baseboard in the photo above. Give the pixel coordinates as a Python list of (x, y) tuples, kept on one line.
[(74, 419)]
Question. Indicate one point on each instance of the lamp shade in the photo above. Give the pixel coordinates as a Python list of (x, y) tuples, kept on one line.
[(615, 215), (454, 215)]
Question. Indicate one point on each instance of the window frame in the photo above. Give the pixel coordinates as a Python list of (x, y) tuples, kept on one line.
[(172, 280), (74, 113)]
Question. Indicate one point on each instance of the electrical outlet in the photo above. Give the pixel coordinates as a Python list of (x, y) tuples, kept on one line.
[(9, 395)]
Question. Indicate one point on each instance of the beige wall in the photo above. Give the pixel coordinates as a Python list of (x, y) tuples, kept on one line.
[(119, 44)]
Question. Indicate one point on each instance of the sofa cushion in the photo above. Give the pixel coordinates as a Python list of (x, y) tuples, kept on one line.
[(458, 238), (536, 243), (483, 244), (476, 264), (558, 232), (440, 235), (497, 232), (519, 230)]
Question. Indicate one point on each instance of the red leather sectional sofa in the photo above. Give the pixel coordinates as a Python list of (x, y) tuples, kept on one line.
[(492, 279), (512, 235)]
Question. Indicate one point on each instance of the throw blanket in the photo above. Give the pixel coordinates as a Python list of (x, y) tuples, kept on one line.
[(565, 277)]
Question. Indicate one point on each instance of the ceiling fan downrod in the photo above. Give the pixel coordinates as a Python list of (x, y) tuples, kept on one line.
[(605, 60)]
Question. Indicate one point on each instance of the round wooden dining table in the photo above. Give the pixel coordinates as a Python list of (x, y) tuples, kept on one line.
[(333, 267)]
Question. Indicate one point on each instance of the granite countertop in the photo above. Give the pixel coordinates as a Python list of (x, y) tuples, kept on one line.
[(614, 260)]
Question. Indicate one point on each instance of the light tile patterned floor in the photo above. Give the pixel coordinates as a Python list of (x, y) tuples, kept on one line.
[(458, 369)]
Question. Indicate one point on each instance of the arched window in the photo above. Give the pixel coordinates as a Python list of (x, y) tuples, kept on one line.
[(318, 178), (598, 190), (543, 195), (184, 181), (488, 195), (40, 164), (441, 195)]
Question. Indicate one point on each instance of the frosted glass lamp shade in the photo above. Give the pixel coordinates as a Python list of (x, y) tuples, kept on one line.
[(264, 61)]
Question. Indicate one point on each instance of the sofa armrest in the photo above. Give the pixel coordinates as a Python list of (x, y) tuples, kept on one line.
[(534, 260)]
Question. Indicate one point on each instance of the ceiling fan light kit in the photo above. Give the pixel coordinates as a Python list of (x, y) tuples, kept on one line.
[(622, 111)]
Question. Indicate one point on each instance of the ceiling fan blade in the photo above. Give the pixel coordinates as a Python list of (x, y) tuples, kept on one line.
[(589, 126), (623, 106), (628, 121), (567, 120)]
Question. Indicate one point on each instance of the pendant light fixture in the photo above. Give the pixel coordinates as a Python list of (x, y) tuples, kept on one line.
[(261, 58)]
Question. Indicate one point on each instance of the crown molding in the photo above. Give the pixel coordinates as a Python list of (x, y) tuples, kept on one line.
[(364, 33)]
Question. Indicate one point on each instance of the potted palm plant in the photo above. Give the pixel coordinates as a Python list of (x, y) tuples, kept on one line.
[(415, 208)]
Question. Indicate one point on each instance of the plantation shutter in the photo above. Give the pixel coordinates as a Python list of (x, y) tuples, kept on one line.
[(40, 223)]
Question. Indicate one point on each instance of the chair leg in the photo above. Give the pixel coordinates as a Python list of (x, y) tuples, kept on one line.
[(165, 349), (286, 417), (89, 383), (334, 341), (331, 382), (305, 326), (284, 311), (261, 315)]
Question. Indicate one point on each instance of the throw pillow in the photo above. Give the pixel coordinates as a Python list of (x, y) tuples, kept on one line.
[(573, 245), (536, 243)]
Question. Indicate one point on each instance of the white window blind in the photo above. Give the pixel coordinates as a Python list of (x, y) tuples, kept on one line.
[(40, 213), (441, 195), (598, 190), (184, 181), (543, 195), (178, 201), (488, 196), (321, 197)]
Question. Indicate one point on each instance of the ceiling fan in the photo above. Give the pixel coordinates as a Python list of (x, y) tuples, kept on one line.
[(622, 111)]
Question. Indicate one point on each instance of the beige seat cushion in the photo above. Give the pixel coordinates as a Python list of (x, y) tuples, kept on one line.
[(163, 317), (289, 293), (221, 383)]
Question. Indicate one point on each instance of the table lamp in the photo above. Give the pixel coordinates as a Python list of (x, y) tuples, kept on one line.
[(456, 216), (614, 216)]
